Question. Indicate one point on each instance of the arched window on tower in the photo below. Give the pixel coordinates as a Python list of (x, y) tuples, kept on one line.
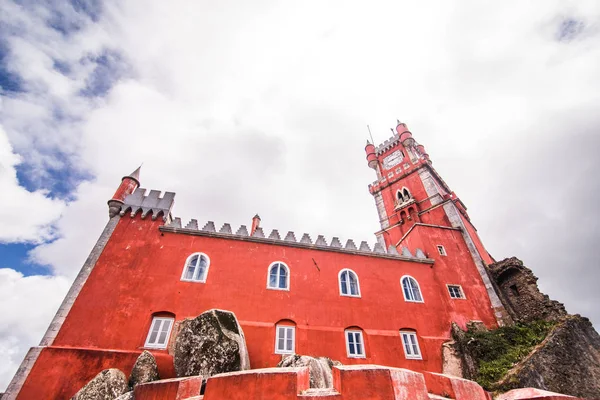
[(279, 276), (406, 194), (196, 268), (399, 197), (349, 285), (411, 289)]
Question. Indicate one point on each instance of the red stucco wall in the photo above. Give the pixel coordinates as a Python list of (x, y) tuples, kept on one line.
[(139, 272)]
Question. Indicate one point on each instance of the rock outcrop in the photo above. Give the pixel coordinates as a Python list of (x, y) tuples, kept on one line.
[(517, 288), (210, 344), (107, 385), (546, 349), (319, 368), (144, 370), (567, 361)]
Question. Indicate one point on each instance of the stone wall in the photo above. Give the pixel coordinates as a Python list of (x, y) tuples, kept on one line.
[(517, 288)]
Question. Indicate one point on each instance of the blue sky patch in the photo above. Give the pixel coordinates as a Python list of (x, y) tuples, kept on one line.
[(569, 29), (9, 81), (110, 67), (15, 256), (60, 182)]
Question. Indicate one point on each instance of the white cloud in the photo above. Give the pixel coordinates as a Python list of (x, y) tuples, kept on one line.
[(27, 305), (262, 107)]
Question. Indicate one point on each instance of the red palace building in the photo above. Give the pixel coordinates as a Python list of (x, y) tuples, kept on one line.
[(391, 305)]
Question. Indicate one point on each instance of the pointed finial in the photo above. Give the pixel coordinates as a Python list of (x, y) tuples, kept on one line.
[(368, 143), (398, 121), (135, 175), (257, 216), (392, 129)]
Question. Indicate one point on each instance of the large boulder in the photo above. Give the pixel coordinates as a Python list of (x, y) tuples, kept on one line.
[(211, 343), (107, 385), (319, 368), (144, 370)]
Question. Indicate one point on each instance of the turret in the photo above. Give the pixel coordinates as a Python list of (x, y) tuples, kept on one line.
[(371, 156), (405, 136), (423, 153), (128, 184)]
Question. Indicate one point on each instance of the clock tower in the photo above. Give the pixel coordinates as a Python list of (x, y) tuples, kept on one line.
[(418, 210)]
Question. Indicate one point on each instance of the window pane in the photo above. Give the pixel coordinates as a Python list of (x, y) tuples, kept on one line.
[(281, 343), (189, 274), (353, 285), (358, 339), (350, 338), (407, 347), (352, 350), (163, 332), (417, 294), (273, 277), (154, 332), (282, 279), (344, 282), (289, 344)]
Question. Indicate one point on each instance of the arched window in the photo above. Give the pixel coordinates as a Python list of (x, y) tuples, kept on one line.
[(349, 285), (399, 197), (196, 268), (279, 276), (411, 289)]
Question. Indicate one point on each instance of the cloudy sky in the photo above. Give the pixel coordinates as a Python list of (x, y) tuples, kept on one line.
[(245, 107)]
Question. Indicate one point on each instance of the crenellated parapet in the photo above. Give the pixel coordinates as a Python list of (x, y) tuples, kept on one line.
[(291, 239), (151, 203)]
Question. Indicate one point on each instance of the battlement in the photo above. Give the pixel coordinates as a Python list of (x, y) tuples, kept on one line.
[(290, 239), (151, 203), (350, 382), (387, 144)]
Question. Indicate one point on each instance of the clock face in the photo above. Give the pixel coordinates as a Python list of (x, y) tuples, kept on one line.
[(393, 159)]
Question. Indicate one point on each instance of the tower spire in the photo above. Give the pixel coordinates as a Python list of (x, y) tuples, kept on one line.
[(135, 174)]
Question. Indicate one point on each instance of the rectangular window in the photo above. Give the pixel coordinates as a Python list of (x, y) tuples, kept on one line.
[(354, 344), (285, 339), (160, 330), (441, 250), (411, 345), (456, 292)]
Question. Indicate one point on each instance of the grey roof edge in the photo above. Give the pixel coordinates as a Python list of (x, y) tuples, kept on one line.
[(283, 242)]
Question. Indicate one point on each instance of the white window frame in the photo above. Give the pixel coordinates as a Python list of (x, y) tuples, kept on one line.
[(442, 250), (287, 280), (194, 278), (418, 287), (287, 329), (356, 333), (340, 283), (156, 344), (410, 354), (460, 289)]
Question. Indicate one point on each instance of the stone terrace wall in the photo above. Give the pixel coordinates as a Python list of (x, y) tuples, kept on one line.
[(357, 382)]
